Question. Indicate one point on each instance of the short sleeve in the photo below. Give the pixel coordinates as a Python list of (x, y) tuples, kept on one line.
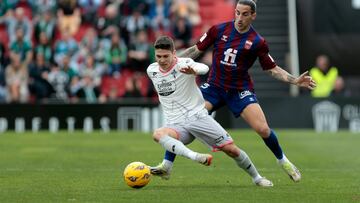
[(265, 59), (207, 39)]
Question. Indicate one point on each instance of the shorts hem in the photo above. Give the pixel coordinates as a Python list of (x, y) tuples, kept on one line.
[(218, 148)]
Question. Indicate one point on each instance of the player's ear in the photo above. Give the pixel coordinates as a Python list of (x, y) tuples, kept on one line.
[(253, 16)]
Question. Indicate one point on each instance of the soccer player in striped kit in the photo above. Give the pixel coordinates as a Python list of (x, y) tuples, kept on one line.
[(236, 47)]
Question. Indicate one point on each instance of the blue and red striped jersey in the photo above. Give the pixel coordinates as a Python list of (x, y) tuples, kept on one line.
[(233, 55)]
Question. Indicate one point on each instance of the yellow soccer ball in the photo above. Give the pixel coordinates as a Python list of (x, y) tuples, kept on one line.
[(137, 174)]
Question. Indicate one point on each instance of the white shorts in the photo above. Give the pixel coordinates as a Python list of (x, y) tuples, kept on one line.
[(204, 128)]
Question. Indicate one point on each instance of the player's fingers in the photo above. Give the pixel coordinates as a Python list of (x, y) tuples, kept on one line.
[(305, 73), (311, 85), (184, 69)]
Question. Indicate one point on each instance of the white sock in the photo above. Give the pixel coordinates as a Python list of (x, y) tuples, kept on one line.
[(244, 162), (175, 146), (284, 159), (167, 164)]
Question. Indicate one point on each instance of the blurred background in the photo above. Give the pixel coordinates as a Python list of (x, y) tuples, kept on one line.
[(81, 64)]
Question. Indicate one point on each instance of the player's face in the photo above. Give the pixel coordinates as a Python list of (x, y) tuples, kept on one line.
[(243, 17), (165, 58)]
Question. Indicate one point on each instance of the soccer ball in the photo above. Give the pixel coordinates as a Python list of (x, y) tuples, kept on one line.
[(137, 175)]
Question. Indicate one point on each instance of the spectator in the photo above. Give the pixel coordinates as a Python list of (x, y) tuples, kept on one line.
[(39, 85), (41, 6), (89, 9), (60, 82), (159, 14), (91, 69), (66, 68), (69, 16), (132, 89), (89, 92), (44, 48), (22, 47), (128, 6), (16, 21), (89, 45), (46, 24), (139, 53), (110, 23), (187, 9), (182, 31), (135, 23), (16, 75), (65, 46), (326, 77), (4, 7), (116, 55)]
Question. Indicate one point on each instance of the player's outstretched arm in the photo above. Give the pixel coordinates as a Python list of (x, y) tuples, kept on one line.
[(191, 52), (304, 80), (195, 69)]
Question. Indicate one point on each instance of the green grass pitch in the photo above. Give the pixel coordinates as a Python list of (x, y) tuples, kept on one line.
[(80, 167)]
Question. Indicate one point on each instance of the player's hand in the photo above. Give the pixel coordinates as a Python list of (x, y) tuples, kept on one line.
[(188, 70), (305, 80)]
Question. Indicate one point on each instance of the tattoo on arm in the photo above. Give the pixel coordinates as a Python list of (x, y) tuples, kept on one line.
[(276, 75), (282, 75), (290, 78), (191, 52)]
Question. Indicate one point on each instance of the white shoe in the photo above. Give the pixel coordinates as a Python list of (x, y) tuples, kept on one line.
[(291, 170), (160, 171), (263, 182), (204, 159)]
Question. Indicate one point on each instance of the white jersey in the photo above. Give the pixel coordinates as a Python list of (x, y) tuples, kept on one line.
[(178, 93)]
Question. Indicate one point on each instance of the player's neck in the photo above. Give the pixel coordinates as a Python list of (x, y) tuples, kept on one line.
[(243, 30)]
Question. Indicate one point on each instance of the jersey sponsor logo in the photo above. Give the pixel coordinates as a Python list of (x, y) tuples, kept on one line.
[(165, 88), (229, 57), (244, 94), (203, 37), (248, 44), (224, 38)]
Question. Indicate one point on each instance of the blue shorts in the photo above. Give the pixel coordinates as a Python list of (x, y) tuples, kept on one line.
[(234, 99)]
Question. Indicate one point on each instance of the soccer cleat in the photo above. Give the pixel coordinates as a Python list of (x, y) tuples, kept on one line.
[(263, 182), (291, 170), (204, 159), (160, 171)]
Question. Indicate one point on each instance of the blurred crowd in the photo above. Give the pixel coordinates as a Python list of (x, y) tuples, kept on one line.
[(86, 50)]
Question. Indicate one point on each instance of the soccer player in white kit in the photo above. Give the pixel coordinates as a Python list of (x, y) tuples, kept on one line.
[(185, 114)]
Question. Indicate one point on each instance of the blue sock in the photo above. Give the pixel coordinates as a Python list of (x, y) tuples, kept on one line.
[(169, 156), (273, 145)]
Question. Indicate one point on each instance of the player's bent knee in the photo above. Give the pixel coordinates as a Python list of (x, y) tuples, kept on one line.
[(263, 131), (160, 132), (231, 150)]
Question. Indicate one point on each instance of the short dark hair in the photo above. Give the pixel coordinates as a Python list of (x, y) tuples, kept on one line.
[(164, 42), (251, 3)]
